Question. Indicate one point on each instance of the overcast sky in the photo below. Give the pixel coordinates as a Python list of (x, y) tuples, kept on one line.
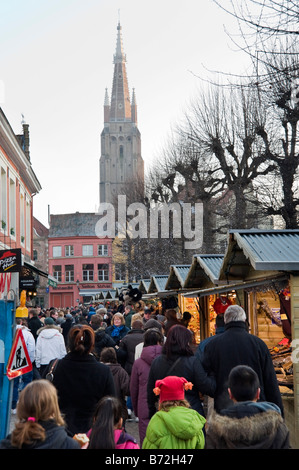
[(56, 60)]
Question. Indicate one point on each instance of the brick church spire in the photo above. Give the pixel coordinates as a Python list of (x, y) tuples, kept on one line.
[(121, 163), (120, 98)]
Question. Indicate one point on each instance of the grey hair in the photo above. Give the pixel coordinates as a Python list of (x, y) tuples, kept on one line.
[(234, 313)]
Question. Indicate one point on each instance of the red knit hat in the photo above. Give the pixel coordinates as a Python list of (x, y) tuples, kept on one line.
[(172, 388)]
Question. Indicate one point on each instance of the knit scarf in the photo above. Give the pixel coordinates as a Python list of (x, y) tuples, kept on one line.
[(116, 330)]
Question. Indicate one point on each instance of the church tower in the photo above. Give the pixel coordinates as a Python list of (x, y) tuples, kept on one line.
[(121, 163)]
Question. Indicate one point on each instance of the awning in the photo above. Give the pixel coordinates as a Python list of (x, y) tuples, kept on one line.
[(236, 286), (35, 269)]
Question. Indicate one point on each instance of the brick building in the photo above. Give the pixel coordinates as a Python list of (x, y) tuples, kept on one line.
[(80, 261)]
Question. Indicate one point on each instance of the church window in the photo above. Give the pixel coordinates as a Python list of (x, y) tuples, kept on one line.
[(121, 151)]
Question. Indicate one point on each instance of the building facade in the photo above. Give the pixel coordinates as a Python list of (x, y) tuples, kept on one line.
[(40, 258), (18, 185), (80, 261), (121, 163)]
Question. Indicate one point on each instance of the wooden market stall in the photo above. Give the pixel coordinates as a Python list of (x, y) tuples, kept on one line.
[(266, 263)]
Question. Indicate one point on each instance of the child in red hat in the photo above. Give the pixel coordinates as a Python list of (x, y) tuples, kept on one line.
[(175, 425)]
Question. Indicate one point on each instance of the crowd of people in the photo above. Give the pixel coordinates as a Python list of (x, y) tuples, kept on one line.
[(95, 367)]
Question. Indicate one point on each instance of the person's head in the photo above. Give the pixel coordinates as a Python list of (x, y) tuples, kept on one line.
[(219, 322), (243, 384), (137, 325), (81, 339), (152, 323), (128, 309), (147, 313), (96, 321), (234, 313), (101, 311), (187, 316), (38, 402), (170, 314), (152, 337), (107, 418), (178, 342), (49, 321), (118, 319), (33, 312), (136, 316), (108, 356), (171, 391)]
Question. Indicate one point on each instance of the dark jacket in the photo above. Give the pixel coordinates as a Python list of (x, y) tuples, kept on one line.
[(66, 326), (248, 425), (102, 340), (81, 381), (138, 386), (35, 324), (56, 438), (190, 368), (126, 352), (122, 333), (122, 385), (235, 347)]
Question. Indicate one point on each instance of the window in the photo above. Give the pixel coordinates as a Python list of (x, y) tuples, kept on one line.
[(3, 200), (69, 250), (120, 271), (22, 218), (56, 251), (69, 273), (34, 255), (103, 272), (102, 250), (57, 273), (87, 272), (87, 250), (12, 207)]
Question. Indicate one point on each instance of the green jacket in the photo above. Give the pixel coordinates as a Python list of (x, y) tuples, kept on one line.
[(178, 428)]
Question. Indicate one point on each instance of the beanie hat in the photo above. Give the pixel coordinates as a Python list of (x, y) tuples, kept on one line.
[(49, 321), (172, 388), (152, 323)]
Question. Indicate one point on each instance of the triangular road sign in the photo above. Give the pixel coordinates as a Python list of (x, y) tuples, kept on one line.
[(19, 361)]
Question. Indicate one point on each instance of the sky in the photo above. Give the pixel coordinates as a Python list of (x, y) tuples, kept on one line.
[(56, 60)]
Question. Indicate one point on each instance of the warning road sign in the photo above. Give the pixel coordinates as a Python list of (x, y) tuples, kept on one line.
[(19, 362)]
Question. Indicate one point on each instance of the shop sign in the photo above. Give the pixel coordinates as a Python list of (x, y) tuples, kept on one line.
[(10, 261)]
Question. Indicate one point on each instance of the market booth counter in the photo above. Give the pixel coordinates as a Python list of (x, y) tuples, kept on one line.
[(265, 265)]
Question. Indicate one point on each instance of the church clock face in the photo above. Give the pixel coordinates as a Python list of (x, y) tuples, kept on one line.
[(120, 105)]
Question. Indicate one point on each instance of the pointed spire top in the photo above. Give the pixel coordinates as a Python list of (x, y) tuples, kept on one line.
[(133, 97), (119, 55)]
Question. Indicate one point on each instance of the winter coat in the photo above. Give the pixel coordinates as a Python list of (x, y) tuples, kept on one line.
[(121, 333), (122, 384), (248, 425), (49, 345), (178, 428), (66, 326), (234, 347), (56, 438), (190, 368), (126, 352), (35, 324), (138, 386), (124, 440), (81, 381), (102, 340)]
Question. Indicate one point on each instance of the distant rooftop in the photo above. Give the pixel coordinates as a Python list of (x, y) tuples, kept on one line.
[(72, 225)]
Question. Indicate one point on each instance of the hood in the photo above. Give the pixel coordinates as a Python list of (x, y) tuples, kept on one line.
[(256, 431), (48, 332), (182, 422), (149, 353)]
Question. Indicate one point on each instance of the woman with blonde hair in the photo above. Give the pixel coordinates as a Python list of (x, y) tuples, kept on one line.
[(40, 424), (118, 329)]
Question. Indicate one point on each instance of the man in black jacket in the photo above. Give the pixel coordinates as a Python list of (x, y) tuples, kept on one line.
[(236, 346), (34, 323)]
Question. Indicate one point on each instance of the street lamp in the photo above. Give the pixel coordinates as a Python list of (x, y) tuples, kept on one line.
[(78, 283)]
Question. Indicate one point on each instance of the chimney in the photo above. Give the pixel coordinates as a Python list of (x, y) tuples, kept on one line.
[(26, 140)]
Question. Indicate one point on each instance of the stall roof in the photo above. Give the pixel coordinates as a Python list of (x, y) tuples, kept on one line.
[(144, 285), (263, 250), (177, 276), (157, 283), (204, 268)]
